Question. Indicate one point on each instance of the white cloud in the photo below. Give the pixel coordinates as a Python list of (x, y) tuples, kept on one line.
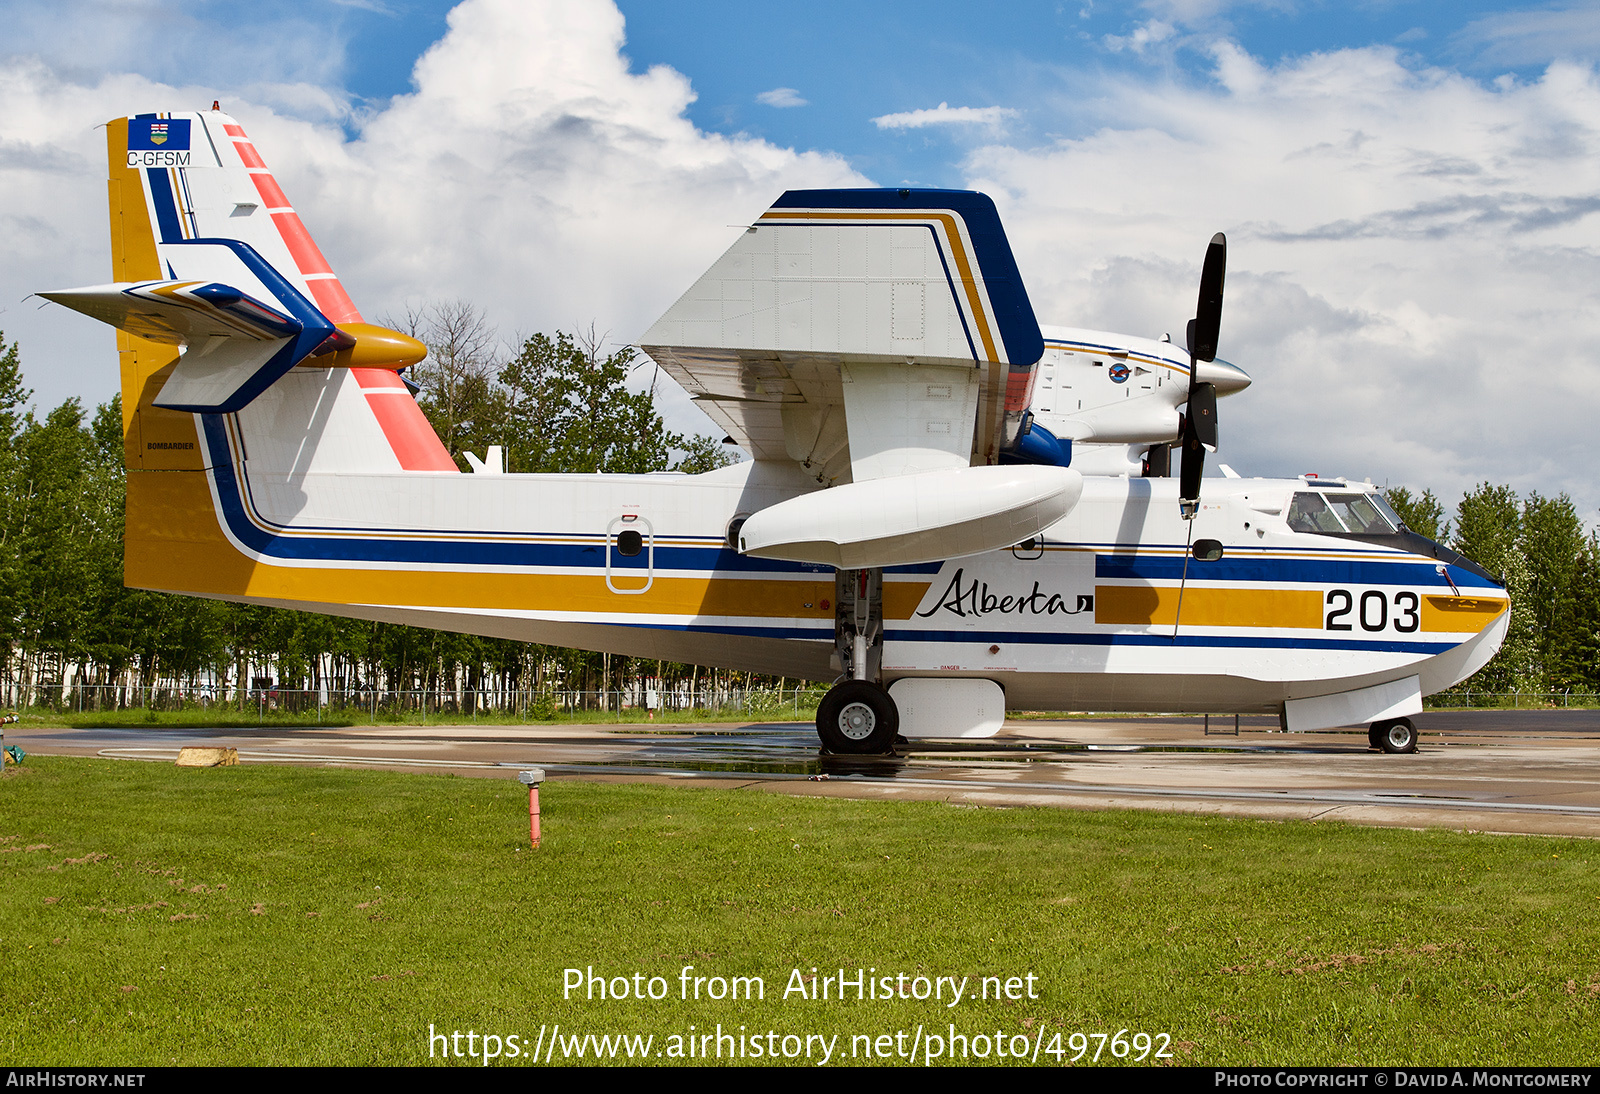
[(1143, 37), (781, 97), (945, 114), (530, 172), (1415, 257), (1533, 37)]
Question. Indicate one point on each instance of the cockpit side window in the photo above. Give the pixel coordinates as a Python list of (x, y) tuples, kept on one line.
[(1341, 514), (1309, 513), (1360, 515), (1388, 512)]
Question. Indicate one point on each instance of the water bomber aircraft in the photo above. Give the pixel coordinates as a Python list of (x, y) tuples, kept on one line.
[(949, 511)]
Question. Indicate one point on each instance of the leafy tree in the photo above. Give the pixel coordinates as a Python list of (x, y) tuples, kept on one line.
[(1488, 526), (1424, 515), (700, 454), (568, 409), (1554, 544)]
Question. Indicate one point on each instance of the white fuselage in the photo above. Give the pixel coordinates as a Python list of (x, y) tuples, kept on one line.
[(1089, 616)]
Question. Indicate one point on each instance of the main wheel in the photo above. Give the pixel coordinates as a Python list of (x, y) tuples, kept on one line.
[(1397, 736), (857, 717), (1375, 735)]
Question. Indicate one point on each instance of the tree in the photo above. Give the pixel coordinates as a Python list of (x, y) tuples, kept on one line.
[(1488, 526), (13, 415), (568, 409), (456, 379), (1554, 545), (701, 454), (1423, 515), (1489, 530)]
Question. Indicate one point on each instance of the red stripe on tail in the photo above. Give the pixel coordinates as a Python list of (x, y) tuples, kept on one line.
[(415, 444)]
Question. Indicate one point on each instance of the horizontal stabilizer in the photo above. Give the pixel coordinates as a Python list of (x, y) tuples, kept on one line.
[(179, 313), (239, 334), (924, 517)]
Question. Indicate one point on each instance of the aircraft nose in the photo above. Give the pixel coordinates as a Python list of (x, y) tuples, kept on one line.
[(1228, 378)]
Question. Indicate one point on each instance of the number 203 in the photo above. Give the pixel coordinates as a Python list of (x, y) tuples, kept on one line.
[(1374, 611)]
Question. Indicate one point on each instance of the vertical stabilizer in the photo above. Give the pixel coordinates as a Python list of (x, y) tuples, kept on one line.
[(220, 294)]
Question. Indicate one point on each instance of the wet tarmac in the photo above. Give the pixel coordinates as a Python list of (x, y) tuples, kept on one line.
[(1496, 771)]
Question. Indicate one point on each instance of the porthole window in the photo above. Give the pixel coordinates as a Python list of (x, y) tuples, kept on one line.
[(629, 543)]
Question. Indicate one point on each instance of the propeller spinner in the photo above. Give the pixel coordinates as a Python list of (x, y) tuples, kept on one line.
[(1200, 422)]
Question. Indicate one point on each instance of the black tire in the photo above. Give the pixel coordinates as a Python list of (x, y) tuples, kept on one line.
[(1397, 736), (1375, 736), (857, 718)]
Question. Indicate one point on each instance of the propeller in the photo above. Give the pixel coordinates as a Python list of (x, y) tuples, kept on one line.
[(1200, 423)]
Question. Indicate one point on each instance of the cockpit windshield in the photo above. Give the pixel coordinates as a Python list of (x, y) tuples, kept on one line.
[(1341, 514)]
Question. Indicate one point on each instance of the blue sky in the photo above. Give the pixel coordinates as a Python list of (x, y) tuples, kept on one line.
[(1411, 190), (876, 59), (849, 62)]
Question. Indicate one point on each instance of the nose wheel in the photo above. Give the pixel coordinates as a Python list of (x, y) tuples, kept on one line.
[(858, 718), (1395, 736)]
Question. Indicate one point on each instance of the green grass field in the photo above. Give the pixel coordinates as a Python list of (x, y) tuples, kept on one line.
[(154, 915)]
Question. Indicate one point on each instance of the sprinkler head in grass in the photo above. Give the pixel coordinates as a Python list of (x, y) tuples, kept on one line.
[(531, 778)]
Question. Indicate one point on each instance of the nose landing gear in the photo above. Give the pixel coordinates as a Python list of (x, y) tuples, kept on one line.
[(1395, 736)]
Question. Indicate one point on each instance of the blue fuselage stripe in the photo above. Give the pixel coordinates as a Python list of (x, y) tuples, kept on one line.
[(1243, 566)]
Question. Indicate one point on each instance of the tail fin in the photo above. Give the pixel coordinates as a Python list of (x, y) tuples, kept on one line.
[(220, 292)]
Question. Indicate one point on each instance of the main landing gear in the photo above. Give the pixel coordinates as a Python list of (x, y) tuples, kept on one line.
[(857, 716), (1396, 735)]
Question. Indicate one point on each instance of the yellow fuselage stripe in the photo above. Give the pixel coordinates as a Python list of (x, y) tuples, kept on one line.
[(1283, 609)]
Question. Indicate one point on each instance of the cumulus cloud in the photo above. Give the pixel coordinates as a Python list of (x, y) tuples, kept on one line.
[(781, 97), (530, 172), (945, 114), (1415, 257)]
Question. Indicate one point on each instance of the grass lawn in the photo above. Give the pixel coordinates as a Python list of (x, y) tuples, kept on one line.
[(155, 915)]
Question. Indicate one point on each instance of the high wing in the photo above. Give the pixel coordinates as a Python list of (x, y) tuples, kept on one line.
[(868, 336), (829, 280)]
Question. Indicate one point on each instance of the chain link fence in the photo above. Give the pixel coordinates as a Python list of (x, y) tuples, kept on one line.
[(1456, 698), (268, 703), (375, 705)]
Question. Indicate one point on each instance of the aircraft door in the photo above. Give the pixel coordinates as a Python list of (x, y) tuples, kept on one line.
[(630, 554)]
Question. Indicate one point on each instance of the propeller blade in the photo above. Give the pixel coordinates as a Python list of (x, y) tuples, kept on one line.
[(1194, 465), (1208, 310), (1203, 414), (1200, 422)]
